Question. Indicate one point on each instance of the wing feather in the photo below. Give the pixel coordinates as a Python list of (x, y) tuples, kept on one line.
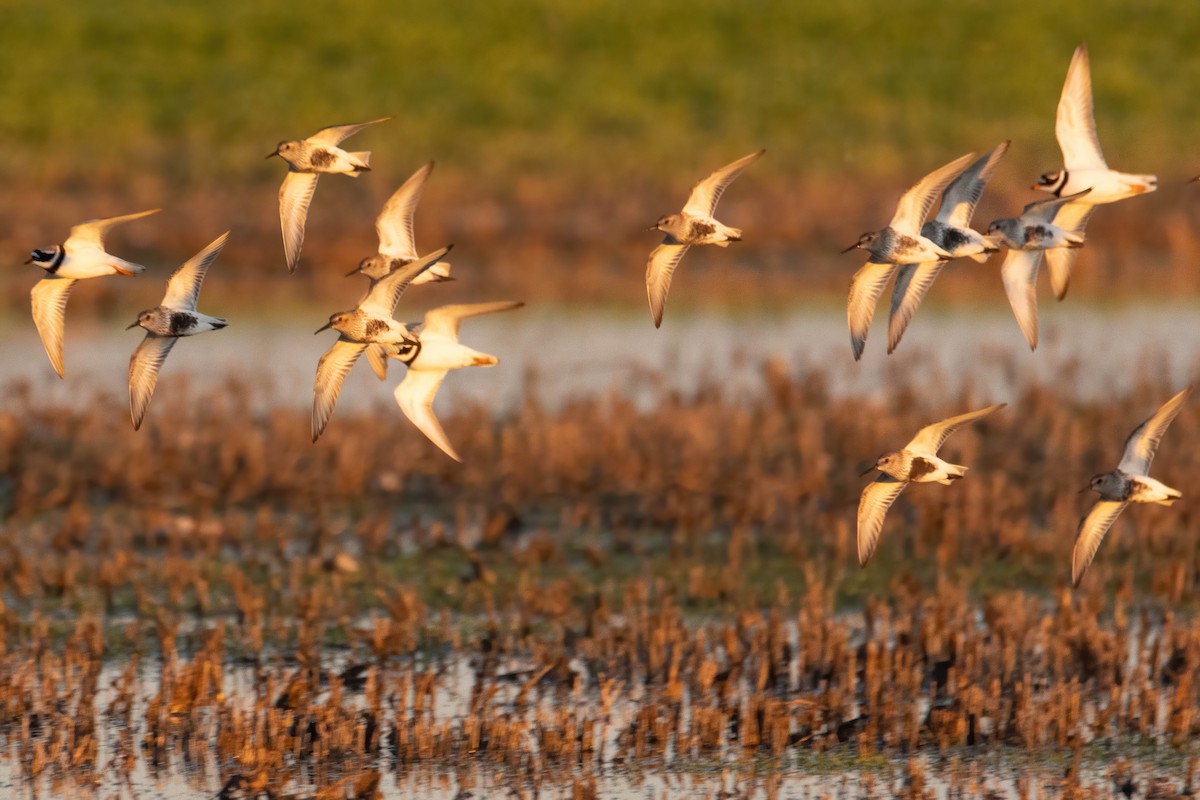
[(49, 298), (963, 193), (415, 396), (444, 321), (865, 287), (1143, 442), (877, 497), (93, 231), (659, 269), (1075, 123), (912, 282), (144, 364), (395, 222), (294, 196), (1092, 529), (327, 385), (1019, 275), (915, 204), (930, 438), (336, 134), (183, 287), (702, 202)]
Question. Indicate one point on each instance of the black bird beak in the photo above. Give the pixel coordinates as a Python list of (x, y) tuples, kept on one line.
[(324, 327), (354, 271), (653, 227), (273, 154), (848, 249), (1084, 489), (867, 470), (130, 327), (29, 260)]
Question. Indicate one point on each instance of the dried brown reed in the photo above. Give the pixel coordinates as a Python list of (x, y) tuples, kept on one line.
[(598, 585)]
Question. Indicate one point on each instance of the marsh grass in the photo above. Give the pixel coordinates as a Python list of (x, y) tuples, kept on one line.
[(602, 587)]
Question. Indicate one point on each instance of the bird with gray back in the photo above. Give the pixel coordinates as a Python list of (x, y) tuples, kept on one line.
[(398, 248), (174, 317), (694, 225), (950, 231), (916, 463), (369, 323), (1038, 230), (899, 243), (1129, 483), (307, 159)]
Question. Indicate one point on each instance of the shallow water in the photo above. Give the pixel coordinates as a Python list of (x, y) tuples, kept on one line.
[(574, 353)]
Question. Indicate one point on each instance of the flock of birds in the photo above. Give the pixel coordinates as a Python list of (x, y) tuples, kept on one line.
[(909, 249)]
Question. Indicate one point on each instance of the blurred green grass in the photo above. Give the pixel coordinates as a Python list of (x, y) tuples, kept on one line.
[(586, 93)]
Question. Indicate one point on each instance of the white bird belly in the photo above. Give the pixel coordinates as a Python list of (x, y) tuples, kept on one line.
[(1149, 490)]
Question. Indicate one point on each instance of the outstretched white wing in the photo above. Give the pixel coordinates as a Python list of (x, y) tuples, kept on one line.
[(659, 269), (395, 223), (415, 396), (294, 197), (336, 134), (1142, 443), (915, 204), (865, 287), (877, 498), (1092, 529), (1075, 124), (144, 364), (444, 321), (327, 385), (49, 298), (92, 232), (912, 282), (963, 193), (1019, 275), (702, 202), (930, 438), (183, 287)]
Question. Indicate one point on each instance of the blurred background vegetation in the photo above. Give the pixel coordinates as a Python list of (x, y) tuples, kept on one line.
[(565, 125)]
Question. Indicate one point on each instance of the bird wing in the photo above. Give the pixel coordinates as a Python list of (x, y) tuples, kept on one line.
[(963, 193), (1019, 274), (1072, 217), (444, 321), (415, 396), (702, 202), (49, 297), (912, 282), (659, 269), (1075, 124), (915, 204), (395, 223), (183, 287), (294, 196), (930, 438), (327, 385), (877, 498), (865, 288), (336, 134), (381, 299), (1142, 443), (1091, 533), (377, 356), (143, 373), (93, 231), (1046, 210)]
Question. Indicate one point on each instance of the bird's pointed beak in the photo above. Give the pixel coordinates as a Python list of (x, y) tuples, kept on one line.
[(29, 260), (866, 471), (131, 327), (1084, 489), (848, 249), (324, 327), (354, 271), (272, 155)]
